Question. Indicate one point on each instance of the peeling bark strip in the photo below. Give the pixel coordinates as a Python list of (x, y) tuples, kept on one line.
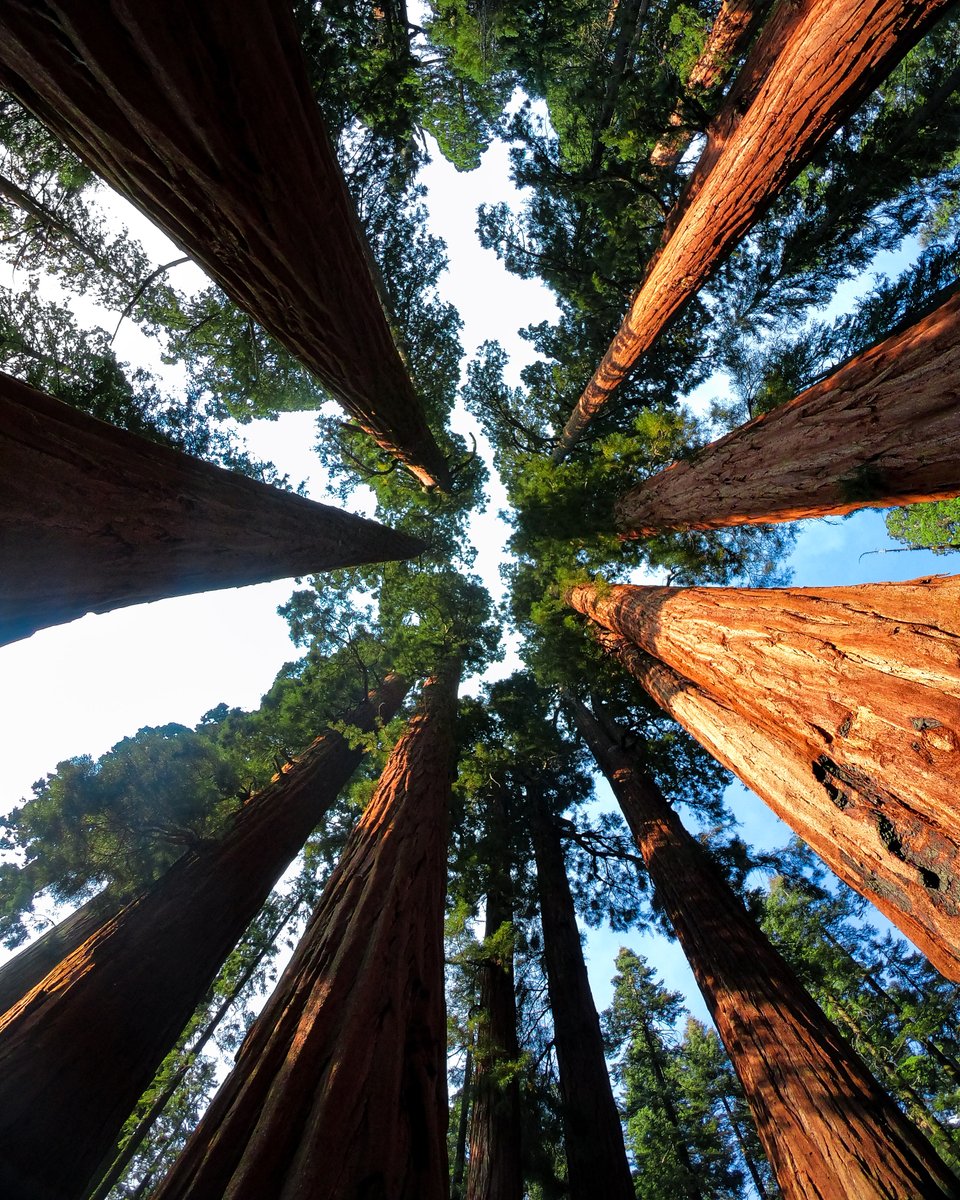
[(813, 63), (79, 1049), (592, 1134), (94, 518), (203, 116), (883, 429), (847, 838), (864, 681), (829, 1130), (735, 24), (339, 1090)]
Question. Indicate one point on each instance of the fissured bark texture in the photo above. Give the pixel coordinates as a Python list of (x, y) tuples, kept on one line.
[(848, 838), (882, 429), (829, 1130), (339, 1090), (203, 116), (80, 1047), (592, 1134), (812, 64), (93, 518), (861, 683)]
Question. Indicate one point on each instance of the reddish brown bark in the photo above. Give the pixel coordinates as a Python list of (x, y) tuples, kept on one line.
[(339, 1090), (733, 28), (592, 1134), (829, 1130), (94, 518), (79, 1049), (203, 116), (850, 832), (496, 1169), (813, 63), (865, 679), (883, 429)]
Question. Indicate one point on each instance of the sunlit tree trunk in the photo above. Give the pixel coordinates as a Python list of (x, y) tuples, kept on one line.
[(837, 706), (80, 1048), (828, 1129), (592, 1134), (883, 429), (495, 1170), (203, 115), (813, 63), (734, 25), (847, 839), (94, 518), (339, 1090)]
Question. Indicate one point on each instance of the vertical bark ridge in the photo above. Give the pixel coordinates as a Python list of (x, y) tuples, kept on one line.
[(813, 63), (829, 1130), (121, 520), (339, 1089), (882, 429), (78, 1050), (203, 116), (847, 839), (593, 1136)]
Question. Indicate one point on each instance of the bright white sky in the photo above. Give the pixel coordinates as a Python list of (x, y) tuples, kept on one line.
[(79, 688)]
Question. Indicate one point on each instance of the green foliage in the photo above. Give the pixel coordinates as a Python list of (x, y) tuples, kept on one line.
[(932, 526)]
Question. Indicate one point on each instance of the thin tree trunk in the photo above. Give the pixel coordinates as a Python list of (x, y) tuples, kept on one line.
[(828, 1129), (188, 1057), (847, 837), (496, 1168), (203, 115), (94, 518), (78, 1051), (812, 65), (733, 28), (882, 429), (460, 1157), (691, 1183), (744, 1149), (339, 1090), (592, 1134), (863, 681)]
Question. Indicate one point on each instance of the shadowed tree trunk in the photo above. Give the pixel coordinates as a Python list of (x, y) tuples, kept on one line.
[(460, 1154), (860, 684), (94, 518), (829, 1130), (813, 63), (496, 1168), (734, 26), (80, 1048), (592, 1134), (848, 838), (203, 116), (339, 1090), (882, 429)]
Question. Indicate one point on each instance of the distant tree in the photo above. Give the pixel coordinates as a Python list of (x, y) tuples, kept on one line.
[(934, 526)]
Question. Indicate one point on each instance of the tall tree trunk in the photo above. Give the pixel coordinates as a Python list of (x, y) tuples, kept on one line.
[(80, 1048), (203, 115), (94, 518), (460, 1156), (847, 833), (592, 1134), (733, 28), (339, 1090), (813, 63), (828, 1129), (882, 429), (863, 681), (25, 970), (496, 1167), (188, 1056)]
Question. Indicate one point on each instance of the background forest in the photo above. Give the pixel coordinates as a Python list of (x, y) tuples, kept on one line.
[(595, 108)]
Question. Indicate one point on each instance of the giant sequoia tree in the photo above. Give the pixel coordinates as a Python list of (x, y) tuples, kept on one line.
[(840, 709)]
